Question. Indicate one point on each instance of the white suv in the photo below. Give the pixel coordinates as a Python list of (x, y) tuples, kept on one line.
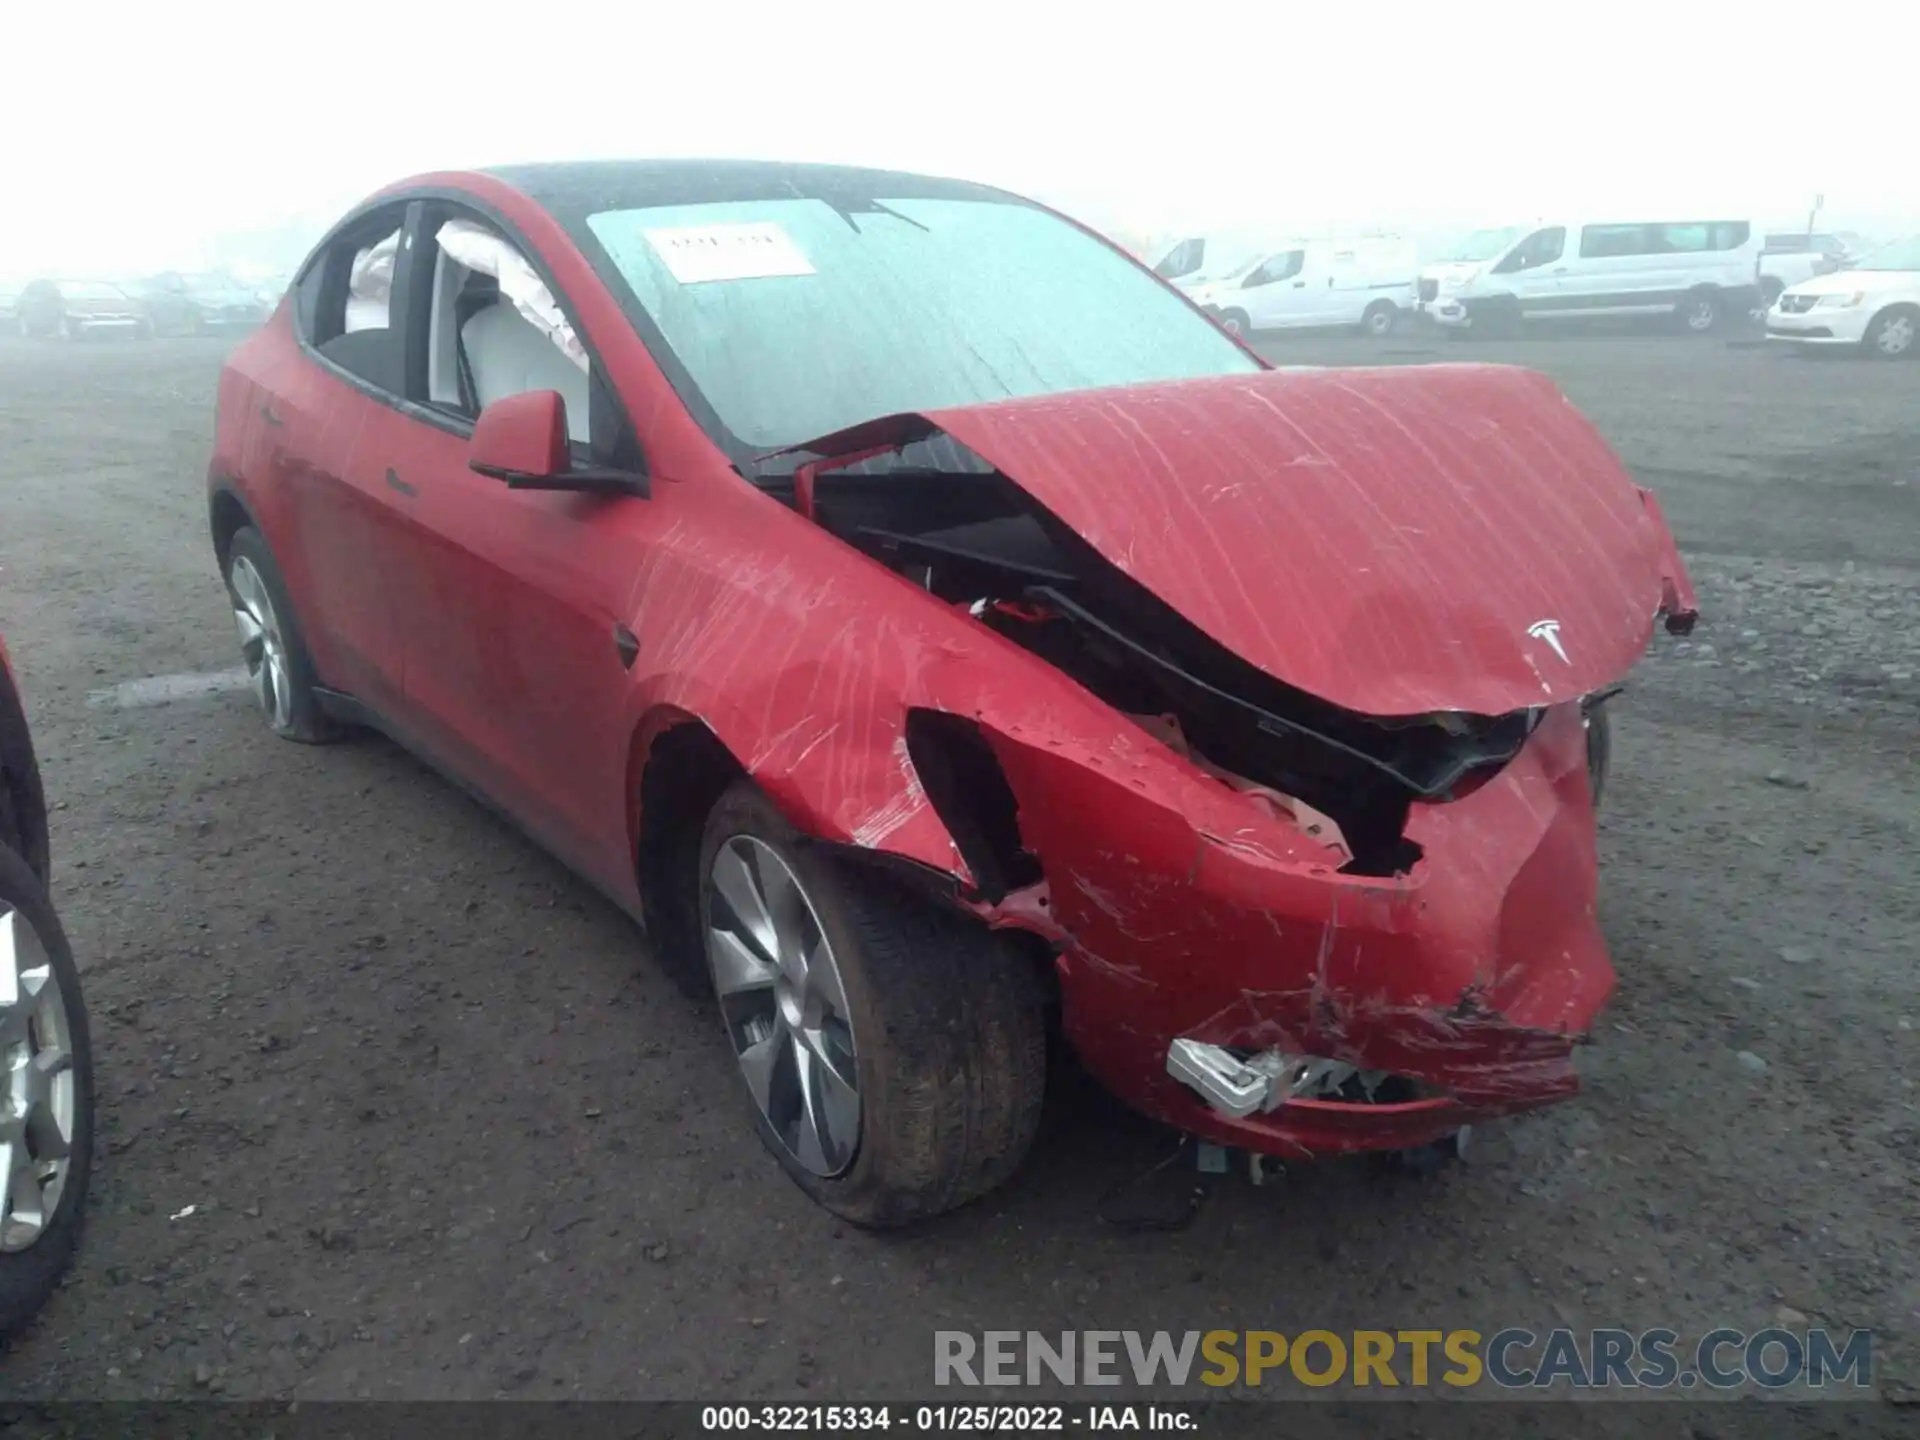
[(1874, 305), (1702, 272)]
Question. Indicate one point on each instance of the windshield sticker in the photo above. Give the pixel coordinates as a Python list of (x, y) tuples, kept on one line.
[(699, 253)]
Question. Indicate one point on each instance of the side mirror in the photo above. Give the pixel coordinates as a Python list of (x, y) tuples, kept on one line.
[(522, 439)]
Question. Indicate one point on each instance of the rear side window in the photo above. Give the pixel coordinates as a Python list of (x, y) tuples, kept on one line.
[(1682, 237), (346, 302)]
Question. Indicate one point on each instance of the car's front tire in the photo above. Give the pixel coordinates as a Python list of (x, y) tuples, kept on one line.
[(279, 669), (46, 1097), (895, 1052), (1894, 334), (1599, 752), (1237, 323)]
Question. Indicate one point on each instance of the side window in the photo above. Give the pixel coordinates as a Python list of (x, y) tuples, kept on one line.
[(1731, 234), (495, 329), (1284, 266), (1612, 241), (1685, 239), (352, 321), (1183, 259), (1542, 247)]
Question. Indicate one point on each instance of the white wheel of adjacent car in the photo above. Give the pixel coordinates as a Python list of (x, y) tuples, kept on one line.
[(1894, 334)]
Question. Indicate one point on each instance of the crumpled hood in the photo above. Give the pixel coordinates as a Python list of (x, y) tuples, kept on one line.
[(1395, 540)]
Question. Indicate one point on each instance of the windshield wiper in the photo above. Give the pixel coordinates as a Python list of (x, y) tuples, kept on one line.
[(846, 209)]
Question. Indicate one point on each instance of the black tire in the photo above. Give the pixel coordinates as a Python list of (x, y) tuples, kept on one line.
[(28, 1276), (949, 1027), (1893, 334), (1381, 320), (1700, 312), (1237, 323), (1496, 320), (306, 722), (1599, 753), (1771, 289)]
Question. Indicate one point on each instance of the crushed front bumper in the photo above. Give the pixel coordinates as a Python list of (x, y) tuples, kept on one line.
[(1473, 976)]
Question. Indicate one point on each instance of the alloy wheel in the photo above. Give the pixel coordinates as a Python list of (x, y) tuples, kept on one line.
[(262, 645), (1700, 315), (38, 1100), (784, 1005), (1896, 335)]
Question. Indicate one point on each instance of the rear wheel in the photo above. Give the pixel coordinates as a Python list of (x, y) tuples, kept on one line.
[(46, 1097), (895, 1052), (1382, 317), (1894, 334), (1699, 312), (278, 666), (1771, 289)]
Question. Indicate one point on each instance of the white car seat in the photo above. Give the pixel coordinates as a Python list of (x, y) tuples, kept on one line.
[(508, 355)]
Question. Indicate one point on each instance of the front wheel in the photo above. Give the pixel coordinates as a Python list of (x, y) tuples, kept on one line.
[(1894, 334), (1237, 323), (46, 1084), (895, 1052)]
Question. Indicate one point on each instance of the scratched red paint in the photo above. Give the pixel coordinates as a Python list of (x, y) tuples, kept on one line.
[(1383, 539)]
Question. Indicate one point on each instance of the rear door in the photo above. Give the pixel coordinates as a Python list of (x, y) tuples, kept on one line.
[(324, 434)]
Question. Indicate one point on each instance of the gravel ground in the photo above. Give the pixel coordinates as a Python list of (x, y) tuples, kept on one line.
[(391, 1106)]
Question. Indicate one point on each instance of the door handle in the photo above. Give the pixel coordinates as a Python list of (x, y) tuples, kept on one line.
[(266, 414), (1559, 269), (1299, 284), (394, 482)]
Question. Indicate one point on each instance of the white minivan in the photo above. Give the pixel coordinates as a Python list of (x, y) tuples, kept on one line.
[(1313, 285), (1702, 272)]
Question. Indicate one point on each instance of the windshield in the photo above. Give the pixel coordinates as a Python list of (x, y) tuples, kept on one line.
[(1900, 255), (1480, 245), (90, 290), (793, 319)]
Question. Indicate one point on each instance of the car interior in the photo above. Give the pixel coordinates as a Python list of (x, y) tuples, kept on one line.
[(481, 347)]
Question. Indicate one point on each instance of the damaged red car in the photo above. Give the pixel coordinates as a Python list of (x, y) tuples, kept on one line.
[(941, 636)]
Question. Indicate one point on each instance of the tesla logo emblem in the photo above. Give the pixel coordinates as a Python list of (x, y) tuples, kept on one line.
[(1549, 631)]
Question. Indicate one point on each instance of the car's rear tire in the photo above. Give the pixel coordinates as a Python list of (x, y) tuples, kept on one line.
[(1771, 289), (271, 645), (1237, 323), (1381, 320), (1700, 312), (1893, 334), (910, 1040), (46, 1073)]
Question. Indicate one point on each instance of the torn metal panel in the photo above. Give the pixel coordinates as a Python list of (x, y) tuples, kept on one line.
[(1384, 539)]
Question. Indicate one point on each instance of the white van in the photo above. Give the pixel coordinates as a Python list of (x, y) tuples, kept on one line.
[(1700, 271), (1313, 285)]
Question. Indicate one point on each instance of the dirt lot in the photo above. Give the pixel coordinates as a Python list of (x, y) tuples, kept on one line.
[(446, 1132)]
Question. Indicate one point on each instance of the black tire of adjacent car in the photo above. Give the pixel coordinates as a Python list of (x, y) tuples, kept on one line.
[(28, 1277), (311, 725), (1599, 753), (1238, 322), (1771, 289), (1875, 341), (949, 1026), (1381, 319)]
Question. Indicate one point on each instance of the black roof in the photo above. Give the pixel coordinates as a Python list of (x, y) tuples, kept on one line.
[(581, 187)]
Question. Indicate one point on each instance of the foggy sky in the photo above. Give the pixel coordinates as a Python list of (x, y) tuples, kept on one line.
[(203, 116)]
